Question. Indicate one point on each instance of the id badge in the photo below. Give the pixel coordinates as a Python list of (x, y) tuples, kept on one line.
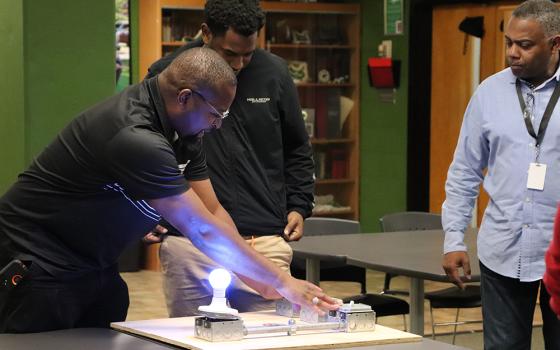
[(537, 173)]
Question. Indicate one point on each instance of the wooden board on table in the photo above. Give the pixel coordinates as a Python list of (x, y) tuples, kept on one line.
[(180, 332)]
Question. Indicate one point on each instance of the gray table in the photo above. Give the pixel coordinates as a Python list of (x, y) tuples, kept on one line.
[(107, 339), (79, 338), (416, 254)]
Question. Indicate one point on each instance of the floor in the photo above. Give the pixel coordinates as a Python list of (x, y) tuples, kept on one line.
[(147, 302)]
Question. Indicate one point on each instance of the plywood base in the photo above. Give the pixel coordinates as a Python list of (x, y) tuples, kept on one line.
[(179, 332)]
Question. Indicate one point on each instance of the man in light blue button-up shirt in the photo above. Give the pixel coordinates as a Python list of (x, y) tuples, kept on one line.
[(522, 180)]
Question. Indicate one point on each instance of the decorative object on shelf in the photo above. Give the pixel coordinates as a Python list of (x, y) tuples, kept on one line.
[(324, 76), (346, 105), (298, 71), (341, 80), (301, 37), (282, 33), (309, 119), (326, 204)]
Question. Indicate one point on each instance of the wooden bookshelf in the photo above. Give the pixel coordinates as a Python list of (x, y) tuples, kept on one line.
[(333, 31)]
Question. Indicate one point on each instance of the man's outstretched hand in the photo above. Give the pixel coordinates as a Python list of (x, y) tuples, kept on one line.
[(307, 294)]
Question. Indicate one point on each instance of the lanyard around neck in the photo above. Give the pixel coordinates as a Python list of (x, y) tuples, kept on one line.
[(546, 116)]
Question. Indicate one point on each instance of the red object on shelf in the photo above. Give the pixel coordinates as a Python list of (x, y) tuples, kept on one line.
[(321, 114), (381, 72), (339, 164)]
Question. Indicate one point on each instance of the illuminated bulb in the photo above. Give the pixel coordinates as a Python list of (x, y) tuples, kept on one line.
[(219, 280)]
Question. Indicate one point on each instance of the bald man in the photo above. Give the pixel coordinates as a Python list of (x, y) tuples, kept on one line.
[(106, 180)]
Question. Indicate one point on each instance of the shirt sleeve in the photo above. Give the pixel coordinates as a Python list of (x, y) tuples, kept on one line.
[(298, 159), (552, 274), (196, 168), (144, 164), (464, 176)]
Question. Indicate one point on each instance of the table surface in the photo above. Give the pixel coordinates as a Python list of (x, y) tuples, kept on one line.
[(408, 253), (78, 338), (107, 339)]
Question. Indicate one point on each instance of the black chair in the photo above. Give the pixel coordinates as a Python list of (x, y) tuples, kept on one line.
[(384, 305), (448, 298), (407, 221)]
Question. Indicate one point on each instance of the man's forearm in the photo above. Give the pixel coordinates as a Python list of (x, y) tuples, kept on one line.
[(218, 238), (221, 214)]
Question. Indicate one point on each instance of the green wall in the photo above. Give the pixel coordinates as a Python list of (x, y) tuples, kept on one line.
[(61, 60), (134, 53), (12, 127), (383, 126)]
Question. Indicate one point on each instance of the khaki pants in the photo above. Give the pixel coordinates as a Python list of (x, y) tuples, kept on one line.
[(185, 275)]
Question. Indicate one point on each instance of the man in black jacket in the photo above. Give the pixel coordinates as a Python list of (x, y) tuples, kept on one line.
[(260, 161)]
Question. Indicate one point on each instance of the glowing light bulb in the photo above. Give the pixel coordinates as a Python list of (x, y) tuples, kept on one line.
[(219, 279)]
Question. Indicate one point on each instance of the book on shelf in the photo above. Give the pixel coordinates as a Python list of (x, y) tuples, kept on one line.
[(327, 113), (166, 29), (309, 120), (338, 164), (320, 159), (333, 113)]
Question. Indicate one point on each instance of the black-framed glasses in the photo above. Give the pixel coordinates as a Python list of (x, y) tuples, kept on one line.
[(214, 110)]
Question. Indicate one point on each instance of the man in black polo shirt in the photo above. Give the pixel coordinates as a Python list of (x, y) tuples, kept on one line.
[(260, 161), (108, 178)]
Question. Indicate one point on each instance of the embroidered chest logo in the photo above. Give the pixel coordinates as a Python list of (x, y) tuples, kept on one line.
[(258, 99)]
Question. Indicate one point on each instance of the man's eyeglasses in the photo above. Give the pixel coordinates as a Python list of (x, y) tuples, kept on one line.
[(216, 113)]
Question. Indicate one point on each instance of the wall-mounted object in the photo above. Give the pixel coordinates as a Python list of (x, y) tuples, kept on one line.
[(385, 49), (393, 16), (383, 72)]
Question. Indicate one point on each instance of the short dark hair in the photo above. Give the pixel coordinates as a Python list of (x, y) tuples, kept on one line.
[(543, 11), (245, 17), (199, 68)]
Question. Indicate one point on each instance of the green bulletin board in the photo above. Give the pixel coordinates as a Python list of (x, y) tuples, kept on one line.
[(393, 17)]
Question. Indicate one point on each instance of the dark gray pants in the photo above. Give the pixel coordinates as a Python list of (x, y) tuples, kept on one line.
[(508, 306)]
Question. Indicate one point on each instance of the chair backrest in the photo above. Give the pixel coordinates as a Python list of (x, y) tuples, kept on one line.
[(331, 270), (410, 221), (317, 226)]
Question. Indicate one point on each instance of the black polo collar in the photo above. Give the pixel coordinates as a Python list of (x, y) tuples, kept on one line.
[(159, 106)]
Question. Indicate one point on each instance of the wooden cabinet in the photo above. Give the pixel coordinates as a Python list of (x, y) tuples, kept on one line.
[(321, 44)]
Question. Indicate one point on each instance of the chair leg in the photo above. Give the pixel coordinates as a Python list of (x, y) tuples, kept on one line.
[(404, 322), (455, 328), (433, 326)]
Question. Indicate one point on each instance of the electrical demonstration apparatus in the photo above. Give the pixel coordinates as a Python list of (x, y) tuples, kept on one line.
[(218, 322)]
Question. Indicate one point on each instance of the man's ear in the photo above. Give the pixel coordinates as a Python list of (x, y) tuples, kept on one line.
[(556, 42), (206, 33), (183, 96)]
